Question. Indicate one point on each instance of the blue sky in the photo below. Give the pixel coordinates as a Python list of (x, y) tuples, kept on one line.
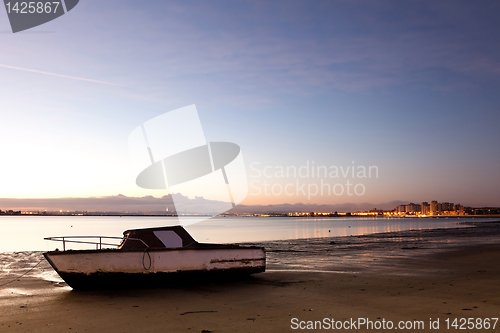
[(411, 87)]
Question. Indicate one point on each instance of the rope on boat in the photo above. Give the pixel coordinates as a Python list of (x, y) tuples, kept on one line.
[(20, 276), (143, 256)]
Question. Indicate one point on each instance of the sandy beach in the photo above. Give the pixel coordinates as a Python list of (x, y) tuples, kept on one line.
[(411, 276)]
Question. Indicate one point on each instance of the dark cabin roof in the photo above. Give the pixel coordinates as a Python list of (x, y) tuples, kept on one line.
[(161, 237)]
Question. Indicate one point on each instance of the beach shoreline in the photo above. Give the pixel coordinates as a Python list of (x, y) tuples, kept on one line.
[(408, 276)]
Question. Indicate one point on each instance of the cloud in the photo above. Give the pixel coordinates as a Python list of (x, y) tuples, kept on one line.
[(55, 74), (150, 204), (115, 203)]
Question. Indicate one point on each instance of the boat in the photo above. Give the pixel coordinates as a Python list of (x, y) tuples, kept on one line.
[(151, 257), (169, 152)]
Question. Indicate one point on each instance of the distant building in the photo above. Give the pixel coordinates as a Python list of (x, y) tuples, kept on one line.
[(459, 209), (401, 209), (412, 208), (425, 208), (447, 207), (434, 207)]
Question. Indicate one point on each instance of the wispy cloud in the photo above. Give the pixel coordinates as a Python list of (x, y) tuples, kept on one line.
[(55, 74)]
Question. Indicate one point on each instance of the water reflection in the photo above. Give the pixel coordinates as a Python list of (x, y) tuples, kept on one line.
[(401, 253)]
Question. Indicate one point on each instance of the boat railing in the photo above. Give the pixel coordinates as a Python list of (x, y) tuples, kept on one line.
[(87, 240)]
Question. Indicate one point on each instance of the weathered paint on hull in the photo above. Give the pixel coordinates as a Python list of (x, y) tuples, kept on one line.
[(99, 280), (97, 269)]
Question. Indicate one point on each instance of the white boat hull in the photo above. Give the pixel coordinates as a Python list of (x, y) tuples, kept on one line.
[(91, 269)]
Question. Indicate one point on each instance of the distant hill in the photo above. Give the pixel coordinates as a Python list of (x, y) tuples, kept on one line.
[(122, 203), (301, 207)]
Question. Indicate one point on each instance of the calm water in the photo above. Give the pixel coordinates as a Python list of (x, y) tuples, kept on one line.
[(26, 233)]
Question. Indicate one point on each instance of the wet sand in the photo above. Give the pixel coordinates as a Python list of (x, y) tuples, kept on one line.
[(412, 275)]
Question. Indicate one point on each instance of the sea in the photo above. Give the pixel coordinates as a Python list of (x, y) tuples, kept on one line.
[(27, 233)]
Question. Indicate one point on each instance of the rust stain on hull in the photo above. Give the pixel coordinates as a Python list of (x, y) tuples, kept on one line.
[(244, 261)]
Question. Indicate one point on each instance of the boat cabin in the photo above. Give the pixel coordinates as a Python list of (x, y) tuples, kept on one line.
[(154, 238)]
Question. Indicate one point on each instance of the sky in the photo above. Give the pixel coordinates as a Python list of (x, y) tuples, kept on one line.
[(407, 88)]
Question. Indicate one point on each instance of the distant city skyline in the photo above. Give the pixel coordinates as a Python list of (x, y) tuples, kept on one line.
[(408, 88), (121, 204)]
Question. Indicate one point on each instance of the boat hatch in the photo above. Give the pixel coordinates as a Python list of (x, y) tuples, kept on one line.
[(164, 237)]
